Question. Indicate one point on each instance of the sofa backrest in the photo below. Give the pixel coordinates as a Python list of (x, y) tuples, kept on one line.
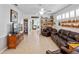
[(60, 31), (64, 32), (54, 30), (51, 29), (73, 35)]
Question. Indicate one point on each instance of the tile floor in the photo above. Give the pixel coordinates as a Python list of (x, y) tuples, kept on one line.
[(33, 43)]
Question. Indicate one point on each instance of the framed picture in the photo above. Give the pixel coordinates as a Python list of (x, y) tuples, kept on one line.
[(13, 16)]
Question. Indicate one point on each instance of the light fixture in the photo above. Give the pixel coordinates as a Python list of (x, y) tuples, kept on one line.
[(41, 11)]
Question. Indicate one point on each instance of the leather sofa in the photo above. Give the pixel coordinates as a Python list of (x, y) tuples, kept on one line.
[(47, 31), (63, 37)]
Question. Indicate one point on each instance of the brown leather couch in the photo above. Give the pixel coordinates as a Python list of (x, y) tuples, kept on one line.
[(63, 37), (47, 31)]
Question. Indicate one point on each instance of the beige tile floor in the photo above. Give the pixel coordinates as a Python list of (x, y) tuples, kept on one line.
[(33, 43)]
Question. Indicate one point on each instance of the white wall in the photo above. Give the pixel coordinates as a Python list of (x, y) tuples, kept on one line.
[(5, 20), (69, 8)]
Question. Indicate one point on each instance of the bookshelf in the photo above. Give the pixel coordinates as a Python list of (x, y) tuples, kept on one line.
[(45, 22), (26, 25)]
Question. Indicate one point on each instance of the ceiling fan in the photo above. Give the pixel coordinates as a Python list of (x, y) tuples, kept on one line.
[(43, 10)]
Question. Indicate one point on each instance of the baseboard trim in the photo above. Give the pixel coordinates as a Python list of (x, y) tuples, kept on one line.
[(3, 50)]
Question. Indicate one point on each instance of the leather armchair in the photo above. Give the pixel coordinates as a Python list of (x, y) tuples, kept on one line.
[(47, 31)]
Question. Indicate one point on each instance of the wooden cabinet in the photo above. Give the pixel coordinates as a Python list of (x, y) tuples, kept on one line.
[(13, 40)]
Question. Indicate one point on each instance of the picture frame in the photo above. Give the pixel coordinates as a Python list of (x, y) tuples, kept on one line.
[(13, 16)]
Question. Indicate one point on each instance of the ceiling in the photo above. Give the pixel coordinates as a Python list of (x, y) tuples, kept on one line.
[(31, 9)]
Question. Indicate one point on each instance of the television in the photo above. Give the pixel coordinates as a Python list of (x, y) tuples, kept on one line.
[(14, 28)]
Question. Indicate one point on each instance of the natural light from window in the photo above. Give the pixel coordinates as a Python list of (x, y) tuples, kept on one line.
[(58, 17), (63, 16), (77, 12), (72, 13), (67, 15)]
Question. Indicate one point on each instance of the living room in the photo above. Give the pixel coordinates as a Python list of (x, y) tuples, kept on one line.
[(52, 31)]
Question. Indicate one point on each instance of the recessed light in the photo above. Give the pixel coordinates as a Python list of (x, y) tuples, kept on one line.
[(41, 13), (42, 9)]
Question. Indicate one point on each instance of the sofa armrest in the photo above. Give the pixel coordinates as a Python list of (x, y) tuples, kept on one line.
[(53, 52), (49, 52), (54, 33), (65, 50), (69, 51)]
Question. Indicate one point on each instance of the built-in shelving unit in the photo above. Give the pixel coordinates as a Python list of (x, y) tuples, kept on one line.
[(25, 25), (45, 22), (70, 23)]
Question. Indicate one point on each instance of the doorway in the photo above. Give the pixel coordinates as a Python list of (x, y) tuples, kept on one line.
[(36, 24)]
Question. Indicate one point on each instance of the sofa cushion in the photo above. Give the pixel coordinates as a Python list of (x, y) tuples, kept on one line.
[(54, 33), (64, 37), (62, 42), (49, 28), (54, 30), (60, 31), (74, 35), (65, 32), (60, 35), (44, 30), (70, 39), (71, 35), (77, 37)]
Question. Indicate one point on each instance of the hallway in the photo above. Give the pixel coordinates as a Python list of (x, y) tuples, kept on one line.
[(33, 43)]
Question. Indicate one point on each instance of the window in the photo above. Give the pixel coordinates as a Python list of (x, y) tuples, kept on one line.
[(67, 15), (77, 12), (72, 13), (59, 17), (63, 16)]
